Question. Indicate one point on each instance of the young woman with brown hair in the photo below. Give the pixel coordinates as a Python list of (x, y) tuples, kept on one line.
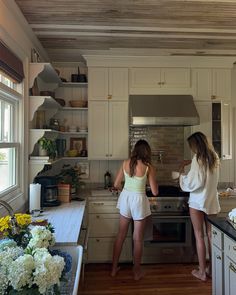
[(133, 202)]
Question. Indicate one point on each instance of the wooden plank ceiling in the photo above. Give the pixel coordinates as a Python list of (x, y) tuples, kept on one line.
[(69, 28)]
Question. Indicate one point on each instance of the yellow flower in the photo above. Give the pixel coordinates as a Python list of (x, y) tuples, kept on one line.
[(23, 219), (4, 223)]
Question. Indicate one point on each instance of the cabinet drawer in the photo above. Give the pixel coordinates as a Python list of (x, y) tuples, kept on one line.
[(104, 225), (217, 237), (230, 248), (103, 207), (101, 250)]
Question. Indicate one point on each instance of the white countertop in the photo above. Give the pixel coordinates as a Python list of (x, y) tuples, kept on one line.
[(66, 220)]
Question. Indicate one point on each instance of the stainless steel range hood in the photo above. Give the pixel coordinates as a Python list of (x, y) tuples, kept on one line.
[(162, 110)]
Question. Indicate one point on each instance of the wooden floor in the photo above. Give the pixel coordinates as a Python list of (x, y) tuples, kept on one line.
[(160, 279)]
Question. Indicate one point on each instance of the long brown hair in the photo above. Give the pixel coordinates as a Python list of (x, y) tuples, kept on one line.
[(204, 150), (141, 151)]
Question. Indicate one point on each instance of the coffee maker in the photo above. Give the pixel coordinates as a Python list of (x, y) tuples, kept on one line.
[(49, 190)]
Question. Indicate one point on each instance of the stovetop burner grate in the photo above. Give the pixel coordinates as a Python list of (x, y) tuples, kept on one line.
[(168, 191)]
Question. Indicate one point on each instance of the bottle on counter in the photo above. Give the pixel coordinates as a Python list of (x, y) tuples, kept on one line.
[(107, 180)]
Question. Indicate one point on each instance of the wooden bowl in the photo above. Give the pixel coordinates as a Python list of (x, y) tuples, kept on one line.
[(78, 103)]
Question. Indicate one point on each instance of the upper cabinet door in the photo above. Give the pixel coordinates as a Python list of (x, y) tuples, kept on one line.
[(226, 129), (160, 81), (98, 83), (204, 109), (108, 83), (175, 78), (202, 84), (210, 84), (118, 84), (221, 84), (145, 78)]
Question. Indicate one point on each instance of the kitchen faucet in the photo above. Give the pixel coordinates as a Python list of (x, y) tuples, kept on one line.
[(13, 222)]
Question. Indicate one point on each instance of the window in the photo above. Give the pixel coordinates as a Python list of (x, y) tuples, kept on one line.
[(9, 136)]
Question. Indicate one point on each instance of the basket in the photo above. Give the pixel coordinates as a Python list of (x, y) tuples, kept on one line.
[(78, 103)]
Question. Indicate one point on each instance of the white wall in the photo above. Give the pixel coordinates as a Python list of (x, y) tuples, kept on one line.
[(18, 36)]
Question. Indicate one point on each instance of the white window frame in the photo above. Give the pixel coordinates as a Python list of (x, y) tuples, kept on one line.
[(15, 98)]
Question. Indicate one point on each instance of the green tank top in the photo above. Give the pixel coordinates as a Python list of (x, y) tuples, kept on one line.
[(135, 183)]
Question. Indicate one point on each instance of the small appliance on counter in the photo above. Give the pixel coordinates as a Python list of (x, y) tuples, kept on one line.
[(49, 190)]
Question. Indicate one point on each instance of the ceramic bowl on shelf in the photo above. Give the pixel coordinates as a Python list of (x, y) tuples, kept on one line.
[(72, 153), (78, 103)]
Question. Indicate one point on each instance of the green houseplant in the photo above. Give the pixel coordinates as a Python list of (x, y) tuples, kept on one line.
[(70, 175), (47, 147)]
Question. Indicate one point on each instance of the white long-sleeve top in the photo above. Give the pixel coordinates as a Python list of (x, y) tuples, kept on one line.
[(202, 185)]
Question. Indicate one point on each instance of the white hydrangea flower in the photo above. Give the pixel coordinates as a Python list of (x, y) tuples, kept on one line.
[(48, 269), (20, 272), (7, 257), (41, 237)]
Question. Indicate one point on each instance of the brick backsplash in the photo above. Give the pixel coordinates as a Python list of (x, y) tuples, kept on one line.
[(167, 141)]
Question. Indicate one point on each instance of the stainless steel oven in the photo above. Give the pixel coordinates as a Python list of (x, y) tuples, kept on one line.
[(169, 235)]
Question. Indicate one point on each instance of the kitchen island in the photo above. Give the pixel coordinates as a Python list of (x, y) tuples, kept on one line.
[(67, 220), (223, 257)]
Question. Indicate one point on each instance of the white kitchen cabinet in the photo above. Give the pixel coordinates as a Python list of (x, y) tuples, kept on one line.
[(204, 109), (108, 130), (230, 266), (210, 84), (217, 262), (222, 129), (160, 80), (108, 113), (108, 83), (104, 224)]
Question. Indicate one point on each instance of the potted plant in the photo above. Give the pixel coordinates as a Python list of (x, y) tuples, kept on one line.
[(47, 147), (70, 175)]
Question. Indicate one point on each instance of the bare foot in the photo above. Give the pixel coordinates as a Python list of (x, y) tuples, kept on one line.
[(199, 275), (115, 271), (138, 275)]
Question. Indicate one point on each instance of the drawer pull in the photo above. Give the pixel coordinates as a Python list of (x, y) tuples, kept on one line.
[(218, 257), (97, 216), (97, 240), (98, 204), (214, 233), (231, 266)]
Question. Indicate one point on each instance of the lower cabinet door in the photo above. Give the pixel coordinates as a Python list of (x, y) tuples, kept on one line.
[(101, 250), (230, 277), (217, 271)]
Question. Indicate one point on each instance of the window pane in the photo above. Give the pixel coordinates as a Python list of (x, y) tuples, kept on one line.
[(6, 121), (7, 168), (7, 81)]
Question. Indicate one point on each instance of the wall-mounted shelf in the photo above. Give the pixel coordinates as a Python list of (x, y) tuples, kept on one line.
[(73, 84), (43, 103), (36, 134), (45, 72)]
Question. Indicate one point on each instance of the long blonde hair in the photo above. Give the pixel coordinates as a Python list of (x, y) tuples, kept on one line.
[(141, 151), (204, 150)]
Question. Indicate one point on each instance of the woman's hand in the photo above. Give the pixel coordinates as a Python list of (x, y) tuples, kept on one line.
[(183, 164)]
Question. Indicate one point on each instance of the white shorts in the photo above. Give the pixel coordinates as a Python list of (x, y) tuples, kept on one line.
[(133, 205)]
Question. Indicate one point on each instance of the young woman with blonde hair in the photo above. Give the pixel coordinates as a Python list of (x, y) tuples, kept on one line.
[(201, 181)]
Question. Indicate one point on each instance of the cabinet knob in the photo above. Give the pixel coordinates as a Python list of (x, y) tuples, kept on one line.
[(97, 240), (110, 155), (218, 257), (214, 232), (159, 83), (163, 83), (106, 155), (234, 248), (97, 216), (213, 97), (109, 96)]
